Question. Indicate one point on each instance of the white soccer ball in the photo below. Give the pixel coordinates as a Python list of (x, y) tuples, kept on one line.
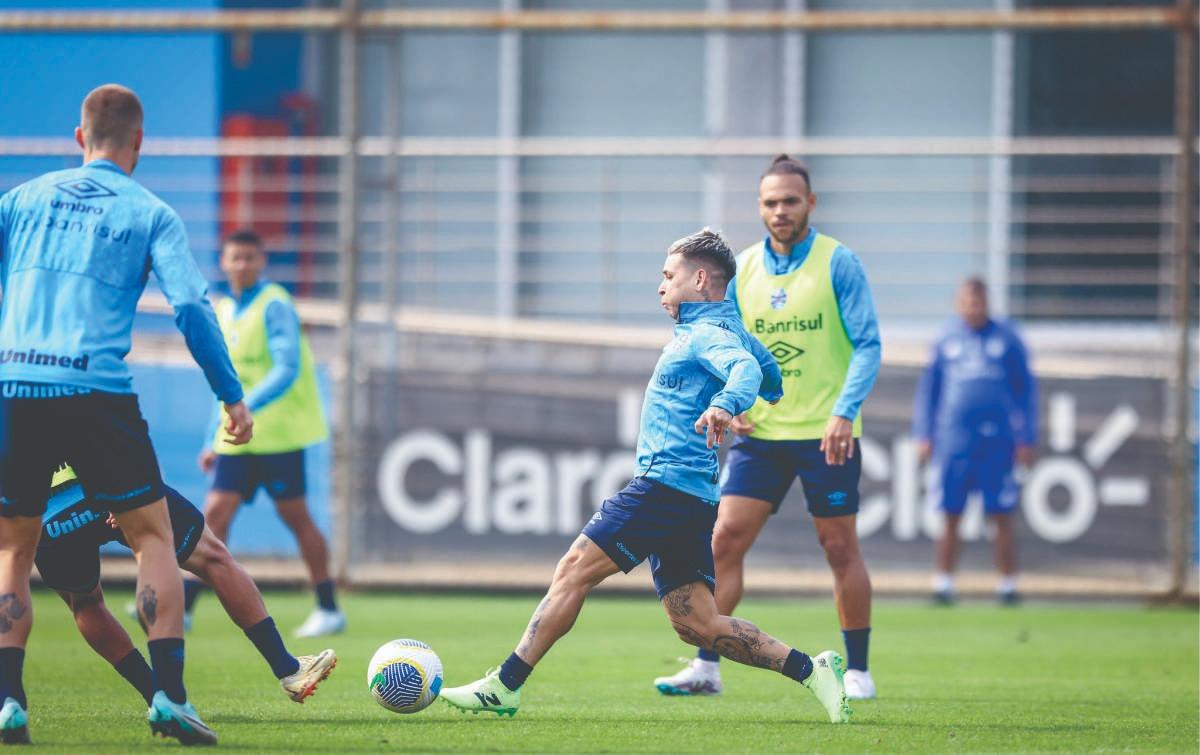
[(405, 676)]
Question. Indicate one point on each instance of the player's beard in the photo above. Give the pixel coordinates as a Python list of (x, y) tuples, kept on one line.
[(795, 234)]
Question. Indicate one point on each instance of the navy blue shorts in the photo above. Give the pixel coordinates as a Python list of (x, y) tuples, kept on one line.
[(765, 469), (672, 528), (101, 435), (281, 474), (987, 467), (68, 555)]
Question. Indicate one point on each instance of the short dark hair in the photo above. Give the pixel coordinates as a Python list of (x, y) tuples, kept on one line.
[(243, 236), (783, 165), (705, 248), (977, 285)]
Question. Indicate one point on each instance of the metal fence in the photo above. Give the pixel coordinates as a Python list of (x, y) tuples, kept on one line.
[(1090, 241)]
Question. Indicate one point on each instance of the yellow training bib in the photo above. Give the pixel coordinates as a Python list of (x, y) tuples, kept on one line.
[(291, 422), (796, 316)]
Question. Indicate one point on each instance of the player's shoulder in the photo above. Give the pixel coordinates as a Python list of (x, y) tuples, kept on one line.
[(1008, 329)]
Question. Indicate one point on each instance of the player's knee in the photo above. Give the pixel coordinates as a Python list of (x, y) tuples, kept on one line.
[(689, 632), (731, 541), (841, 551)]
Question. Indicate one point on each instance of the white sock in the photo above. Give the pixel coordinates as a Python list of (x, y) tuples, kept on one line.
[(943, 582), (709, 667), (1007, 585)]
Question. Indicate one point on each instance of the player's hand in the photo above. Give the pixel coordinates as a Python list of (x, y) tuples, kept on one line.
[(838, 443), (924, 451), (1024, 456), (239, 425), (741, 425), (207, 460), (111, 521), (713, 424)]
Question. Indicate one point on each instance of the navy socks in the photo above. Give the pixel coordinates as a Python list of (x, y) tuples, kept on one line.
[(325, 597), (12, 666), (708, 655), (137, 672), (514, 672), (798, 666), (191, 590), (166, 656), (857, 641), (270, 645)]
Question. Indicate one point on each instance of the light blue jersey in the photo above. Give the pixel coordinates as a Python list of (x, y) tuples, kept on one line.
[(76, 250), (711, 361)]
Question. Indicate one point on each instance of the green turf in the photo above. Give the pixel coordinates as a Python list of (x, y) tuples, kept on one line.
[(973, 678)]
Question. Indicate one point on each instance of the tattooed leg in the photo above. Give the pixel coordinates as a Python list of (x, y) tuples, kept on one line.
[(582, 568), (159, 587), (18, 544), (693, 613)]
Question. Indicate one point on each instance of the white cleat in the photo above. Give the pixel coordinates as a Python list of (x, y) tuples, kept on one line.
[(698, 677), (322, 622), (313, 670), (859, 685)]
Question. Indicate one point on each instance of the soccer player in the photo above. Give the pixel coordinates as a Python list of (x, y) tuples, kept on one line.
[(68, 558), (76, 249), (275, 366), (975, 414), (806, 297), (710, 372)]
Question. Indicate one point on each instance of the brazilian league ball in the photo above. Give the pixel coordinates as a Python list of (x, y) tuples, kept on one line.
[(405, 676)]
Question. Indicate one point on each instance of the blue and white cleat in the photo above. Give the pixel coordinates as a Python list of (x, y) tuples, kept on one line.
[(322, 622), (698, 677), (168, 719), (14, 723)]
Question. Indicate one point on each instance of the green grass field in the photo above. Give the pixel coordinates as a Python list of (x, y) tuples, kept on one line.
[(974, 678)]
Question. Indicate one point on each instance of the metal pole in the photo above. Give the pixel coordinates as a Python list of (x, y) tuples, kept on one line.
[(1179, 515), (999, 245), (607, 21), (508, 171), (345, 474)]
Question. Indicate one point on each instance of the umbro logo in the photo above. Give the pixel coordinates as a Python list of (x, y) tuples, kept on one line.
[(488, 699), (784, 352), (85, 188), (822, 663)]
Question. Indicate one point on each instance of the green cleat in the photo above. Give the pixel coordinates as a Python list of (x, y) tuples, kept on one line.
[(487, 694), (827, 684), (14, 723)]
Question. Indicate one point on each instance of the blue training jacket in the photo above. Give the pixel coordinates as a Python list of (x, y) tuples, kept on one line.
[(712, 361), (977, 385), (76, 250)]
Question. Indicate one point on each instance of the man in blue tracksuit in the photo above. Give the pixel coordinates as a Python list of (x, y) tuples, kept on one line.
[(975, 415), (76, 250), (709, 373)]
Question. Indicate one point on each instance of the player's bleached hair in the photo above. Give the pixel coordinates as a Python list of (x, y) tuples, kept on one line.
[(783, 165), (705, 248), (110, 117)]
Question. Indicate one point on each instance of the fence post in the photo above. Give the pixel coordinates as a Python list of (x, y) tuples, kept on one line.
[(1179, 510), (345, 456)]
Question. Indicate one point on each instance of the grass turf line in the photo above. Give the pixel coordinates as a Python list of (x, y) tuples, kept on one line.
[(1042, 677)]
